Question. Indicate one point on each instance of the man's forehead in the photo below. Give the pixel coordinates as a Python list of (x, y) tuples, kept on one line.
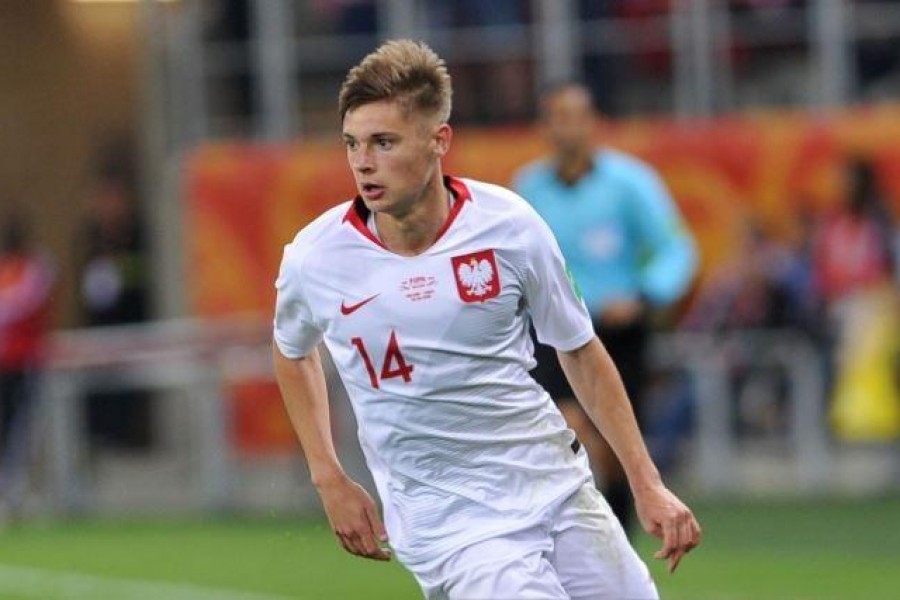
[(376, 130), (570, 96), (382, 110), (383, 116)]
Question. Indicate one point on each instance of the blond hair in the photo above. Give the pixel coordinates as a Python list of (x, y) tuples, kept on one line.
[(405, 71)]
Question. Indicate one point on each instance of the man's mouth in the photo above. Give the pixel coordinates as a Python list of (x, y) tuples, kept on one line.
[(372, 191)]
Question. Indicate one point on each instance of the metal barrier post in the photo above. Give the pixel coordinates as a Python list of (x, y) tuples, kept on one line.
[(807, 426), (212, 448), (700, 356), (62, 395)]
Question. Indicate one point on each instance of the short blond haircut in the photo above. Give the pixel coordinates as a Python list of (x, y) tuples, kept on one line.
[(405, 71)]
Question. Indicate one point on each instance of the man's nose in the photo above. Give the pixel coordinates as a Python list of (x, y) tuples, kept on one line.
[(363, 161)]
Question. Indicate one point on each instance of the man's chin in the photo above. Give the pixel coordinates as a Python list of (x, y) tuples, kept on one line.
[(374, 205)]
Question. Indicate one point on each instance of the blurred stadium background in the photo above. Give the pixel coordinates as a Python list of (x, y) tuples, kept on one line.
[(162, 152)]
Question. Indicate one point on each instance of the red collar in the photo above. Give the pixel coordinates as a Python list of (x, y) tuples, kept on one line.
[(358, 214)]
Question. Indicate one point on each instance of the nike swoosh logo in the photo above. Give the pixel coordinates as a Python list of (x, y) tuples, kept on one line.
[(352, 308)]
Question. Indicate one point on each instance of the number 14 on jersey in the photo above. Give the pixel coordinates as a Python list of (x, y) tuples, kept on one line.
[(394, 365)]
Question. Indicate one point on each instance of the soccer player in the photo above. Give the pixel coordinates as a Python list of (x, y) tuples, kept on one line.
[(626, 245), (422, 288)]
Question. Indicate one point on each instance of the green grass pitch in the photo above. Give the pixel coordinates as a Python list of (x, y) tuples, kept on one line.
[(835, 550)]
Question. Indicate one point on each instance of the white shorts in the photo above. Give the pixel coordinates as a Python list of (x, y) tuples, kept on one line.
[(578, 552)]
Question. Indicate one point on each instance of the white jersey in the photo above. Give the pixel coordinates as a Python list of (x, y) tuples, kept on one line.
[(434, 351)]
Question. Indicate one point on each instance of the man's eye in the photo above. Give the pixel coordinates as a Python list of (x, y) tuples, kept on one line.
[(351, 144), (385, 144)]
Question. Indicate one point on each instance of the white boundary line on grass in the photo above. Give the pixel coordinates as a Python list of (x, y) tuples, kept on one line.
[(47, 584)]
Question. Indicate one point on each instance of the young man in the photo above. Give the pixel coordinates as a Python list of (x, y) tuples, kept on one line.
[(422, 289), (627, 247)]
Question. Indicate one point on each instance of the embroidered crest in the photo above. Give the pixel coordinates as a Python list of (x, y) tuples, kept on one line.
[(477, 276)]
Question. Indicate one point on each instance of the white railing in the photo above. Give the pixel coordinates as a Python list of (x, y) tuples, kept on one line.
[(277, 58), (710, 360), (201, 358), (196, 357)]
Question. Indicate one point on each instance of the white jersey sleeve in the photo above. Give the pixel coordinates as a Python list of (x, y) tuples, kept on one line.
[(296, 332), (558, 312)]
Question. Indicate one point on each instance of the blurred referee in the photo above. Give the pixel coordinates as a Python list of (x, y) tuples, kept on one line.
[(626, 247)]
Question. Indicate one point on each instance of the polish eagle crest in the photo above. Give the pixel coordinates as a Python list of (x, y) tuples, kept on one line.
[(476, 275), (477, 278)]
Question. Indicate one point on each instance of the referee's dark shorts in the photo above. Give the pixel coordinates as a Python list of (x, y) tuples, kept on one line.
[(627, 345)]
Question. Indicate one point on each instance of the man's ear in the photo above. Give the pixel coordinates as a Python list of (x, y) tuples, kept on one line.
[(441, 139)]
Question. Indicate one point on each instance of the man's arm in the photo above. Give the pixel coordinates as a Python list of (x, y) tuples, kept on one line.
[(668, 251), (599, 389), (351, 511)]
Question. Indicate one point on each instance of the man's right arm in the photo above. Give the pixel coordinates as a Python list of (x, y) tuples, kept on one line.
[(351, 511)]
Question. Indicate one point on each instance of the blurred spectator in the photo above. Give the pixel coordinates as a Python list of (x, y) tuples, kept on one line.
[(113, 279), (876, 58), (228, 22), (627, 248), (494, 91), (353, 16), (600, 69), (752, 5), (854, 265), (853, 248), (26, 283), (765, 285), (795, 275), (114, 291), (896, 254)]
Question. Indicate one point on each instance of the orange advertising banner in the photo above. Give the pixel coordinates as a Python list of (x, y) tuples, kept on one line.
[(245, 201)]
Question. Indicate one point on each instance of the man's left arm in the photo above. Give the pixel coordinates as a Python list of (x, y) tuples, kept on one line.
[(599, 389), (668, 252)]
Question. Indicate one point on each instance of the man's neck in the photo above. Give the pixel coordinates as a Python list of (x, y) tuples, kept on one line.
[(415, 231), (571, 168)]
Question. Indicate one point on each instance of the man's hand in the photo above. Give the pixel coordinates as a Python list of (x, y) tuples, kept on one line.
[(354, 518), (666, 517)]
